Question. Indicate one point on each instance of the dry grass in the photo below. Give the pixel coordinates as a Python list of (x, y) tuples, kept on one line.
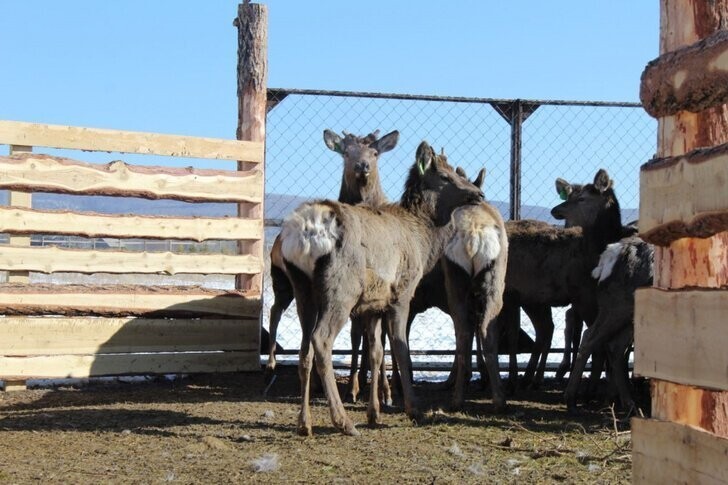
[(219, 429)]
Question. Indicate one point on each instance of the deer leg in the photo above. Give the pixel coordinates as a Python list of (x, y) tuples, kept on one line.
[(488, 334), (571, 343), (356, 340), (331, 320), (457, 288), (619, 352), (376, 357), (594, 339), (306, 307), (282, 298), (599, 363), (386, 390), (509, 321), (365, 362), (543, 324), (397, 319)]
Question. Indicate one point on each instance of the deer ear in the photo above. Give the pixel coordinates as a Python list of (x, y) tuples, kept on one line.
[(478, 182), (387, 142), (602, 182), (333, 141), (461, 172), (425, 155), (563, 188)]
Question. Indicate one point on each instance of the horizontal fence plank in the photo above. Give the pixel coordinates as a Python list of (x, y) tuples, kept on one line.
[(695, 186), (122, 300), (25, 336), (53, 260), (664, 452), (44, 173), (681, 336), (96, 139), (691, 78), (19, 220), (63, 366), (695, 406)]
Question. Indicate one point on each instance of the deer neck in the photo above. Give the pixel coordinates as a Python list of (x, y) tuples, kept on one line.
[(606, 230), (352, 192)]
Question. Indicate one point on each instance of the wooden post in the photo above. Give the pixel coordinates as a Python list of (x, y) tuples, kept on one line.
[(19, 199), (252, 24), (687, 419)]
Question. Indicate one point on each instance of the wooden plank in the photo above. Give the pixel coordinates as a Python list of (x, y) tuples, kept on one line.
[(666, 452), (12, 385), (18, 220), (695, 185), (252, 24), (691, 78), (75, 366), (20, 199), (120, 300), (53, 260), (692, 262), (44, 173), (682, 336), (24, 336), (697, 407), (96, 139)]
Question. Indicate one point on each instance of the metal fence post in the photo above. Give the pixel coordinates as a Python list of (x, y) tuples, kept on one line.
[(516, 132)]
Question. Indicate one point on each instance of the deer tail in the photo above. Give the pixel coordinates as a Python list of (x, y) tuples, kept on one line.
[(309, 232)]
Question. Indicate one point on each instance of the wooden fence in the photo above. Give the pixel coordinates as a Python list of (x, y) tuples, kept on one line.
[(681, 323), (84, 330)]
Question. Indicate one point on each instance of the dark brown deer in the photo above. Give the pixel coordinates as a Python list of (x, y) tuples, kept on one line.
[(623, 267), (346, 259), (551, 266), (360, 184)]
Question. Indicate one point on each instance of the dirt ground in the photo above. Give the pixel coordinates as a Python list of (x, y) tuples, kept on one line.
[(222, 429)]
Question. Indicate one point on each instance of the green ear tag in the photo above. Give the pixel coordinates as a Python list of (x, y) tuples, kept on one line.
[(563, 194), (421, 167)]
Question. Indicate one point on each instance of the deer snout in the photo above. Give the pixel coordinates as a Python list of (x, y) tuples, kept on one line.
[(558, 212), (362, 169)]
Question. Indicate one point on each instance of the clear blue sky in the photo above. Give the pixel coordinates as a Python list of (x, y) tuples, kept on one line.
[(169, 67)]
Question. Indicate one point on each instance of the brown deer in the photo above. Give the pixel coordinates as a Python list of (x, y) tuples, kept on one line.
[(360, 184), (474, 267), (623, 267), (359, 260)]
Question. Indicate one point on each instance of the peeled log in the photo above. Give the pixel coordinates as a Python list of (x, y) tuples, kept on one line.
[(692, 78)]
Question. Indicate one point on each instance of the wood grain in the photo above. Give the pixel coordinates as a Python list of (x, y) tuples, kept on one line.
[(96, 139), (18, 220), (44, 173)]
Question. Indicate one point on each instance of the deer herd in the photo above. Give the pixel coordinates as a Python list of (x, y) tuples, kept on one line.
[(442, 245)]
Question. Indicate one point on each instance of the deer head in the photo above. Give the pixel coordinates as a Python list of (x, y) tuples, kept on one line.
[(435, 187), (360, 154), (583, 204)]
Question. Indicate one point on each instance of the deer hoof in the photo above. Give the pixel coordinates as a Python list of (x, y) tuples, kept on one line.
[(415, 415), (499, 404), (350, 430), (304, 430)]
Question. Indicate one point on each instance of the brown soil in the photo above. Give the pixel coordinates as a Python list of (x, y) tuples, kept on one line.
[(220, 429)]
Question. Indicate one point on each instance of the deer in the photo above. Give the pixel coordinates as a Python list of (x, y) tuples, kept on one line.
[(622, 267), (551, 266), (474, 268), (360, 184), (573, 321), (365, 261)]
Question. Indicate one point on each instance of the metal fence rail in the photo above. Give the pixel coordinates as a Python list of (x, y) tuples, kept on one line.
[(524, 145)]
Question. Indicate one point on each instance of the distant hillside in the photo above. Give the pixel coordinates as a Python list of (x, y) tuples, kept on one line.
[(277, 206)]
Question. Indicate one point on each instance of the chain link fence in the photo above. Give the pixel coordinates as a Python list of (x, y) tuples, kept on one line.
[(523, 144)]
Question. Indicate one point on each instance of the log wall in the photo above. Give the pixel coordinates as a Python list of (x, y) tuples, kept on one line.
[(681, 323)]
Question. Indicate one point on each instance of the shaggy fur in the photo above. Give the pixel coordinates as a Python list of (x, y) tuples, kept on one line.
[(379, 258)]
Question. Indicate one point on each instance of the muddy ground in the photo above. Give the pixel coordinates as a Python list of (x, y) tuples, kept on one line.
[(221, 429)]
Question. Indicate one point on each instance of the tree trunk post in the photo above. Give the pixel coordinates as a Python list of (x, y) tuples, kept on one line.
[(252, 25)]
